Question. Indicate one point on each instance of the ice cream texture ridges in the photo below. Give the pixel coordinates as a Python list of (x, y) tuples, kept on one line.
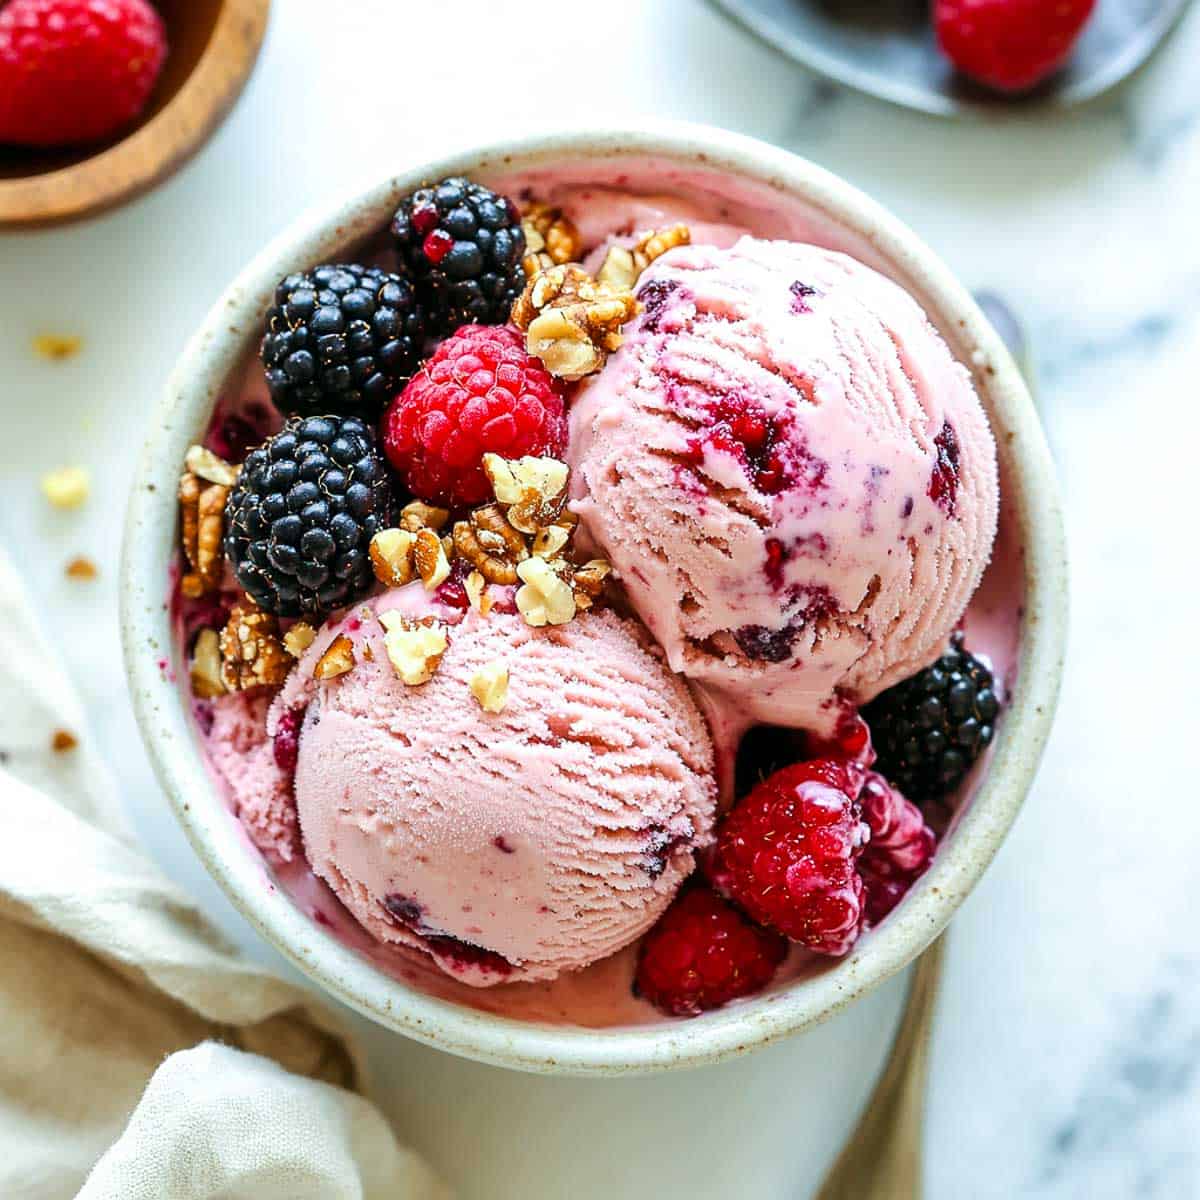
[(791, 473), (547, 835)]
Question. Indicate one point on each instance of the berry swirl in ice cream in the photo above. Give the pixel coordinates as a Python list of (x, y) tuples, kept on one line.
[(793, 477), (574, 528)]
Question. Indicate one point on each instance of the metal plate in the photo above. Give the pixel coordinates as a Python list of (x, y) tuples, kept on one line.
[(886, 48)]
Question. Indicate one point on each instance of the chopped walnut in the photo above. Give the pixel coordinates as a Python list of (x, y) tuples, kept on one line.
[(546, 598), (418, 515), (210, 467), (490, 544), (587, 582), (551, 238), (551, 541), (477, 593), (429, 557), (337, 660), (299, 638), (252, 654), (489, 685), (622, 265), (571, 322), (414, 648), (207, 675), (533, 490), (202, 521), (391, 553)]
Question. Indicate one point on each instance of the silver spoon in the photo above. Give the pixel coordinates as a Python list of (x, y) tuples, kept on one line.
[(886, 48), (882, 1158)]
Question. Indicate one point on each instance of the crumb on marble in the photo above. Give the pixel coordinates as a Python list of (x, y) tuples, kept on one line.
[(82, 569), (57, 347), (67, 487)]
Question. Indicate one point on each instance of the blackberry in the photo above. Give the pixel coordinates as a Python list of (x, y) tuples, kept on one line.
[(929, 730), (341, 338), (462, 244), (300, 519)]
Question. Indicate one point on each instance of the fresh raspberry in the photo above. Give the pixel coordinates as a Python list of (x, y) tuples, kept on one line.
[(704, 953), (76, 70), (900, 850), (787, 854), (1010, 45), (480, 392)]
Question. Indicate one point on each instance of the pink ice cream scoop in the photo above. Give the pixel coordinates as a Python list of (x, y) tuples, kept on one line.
[(513, 844), (791, 473), (259, 785)]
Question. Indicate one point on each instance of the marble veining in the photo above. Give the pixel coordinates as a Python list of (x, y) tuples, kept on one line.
[(1142, 1087)]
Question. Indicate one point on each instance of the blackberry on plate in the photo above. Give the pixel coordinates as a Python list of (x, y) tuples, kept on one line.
[(300, 519), (463, 245), (341, 338), (929, 730)]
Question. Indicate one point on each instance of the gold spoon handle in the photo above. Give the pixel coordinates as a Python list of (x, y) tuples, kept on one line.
[(881, 1159)]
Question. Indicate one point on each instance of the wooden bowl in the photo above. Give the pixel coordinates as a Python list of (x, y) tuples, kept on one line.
[(213, 45)]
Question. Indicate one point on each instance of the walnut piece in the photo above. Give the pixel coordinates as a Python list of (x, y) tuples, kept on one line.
[(418, 515), (477, 593), (251, 653), (551, 238), (337, 660), (206, 673), (414, 648), (533, 490), (623, 265), (429, 557), (299, 638), (571, 322), (391, 553), (489, 685), (210, 467), (68, 487), (546, 598), (490, 544), (551, 541), (587, 582), (202, 521)]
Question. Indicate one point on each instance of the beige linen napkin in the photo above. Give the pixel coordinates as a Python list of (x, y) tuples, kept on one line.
[(140, 1056)]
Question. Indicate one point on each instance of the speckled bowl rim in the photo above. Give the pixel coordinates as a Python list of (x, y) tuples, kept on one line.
[(150, 539)]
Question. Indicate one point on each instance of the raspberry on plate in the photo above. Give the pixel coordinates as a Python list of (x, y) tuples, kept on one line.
[(787, 854), (900, 850), (463, 245), (480, 393), (703, 953), (1010, 45), (74, 70)]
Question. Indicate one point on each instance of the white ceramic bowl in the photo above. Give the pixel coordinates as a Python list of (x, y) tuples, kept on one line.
[(1029, 496)]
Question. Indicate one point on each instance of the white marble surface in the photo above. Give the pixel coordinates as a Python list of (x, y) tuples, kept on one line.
[(1067, 1058)]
